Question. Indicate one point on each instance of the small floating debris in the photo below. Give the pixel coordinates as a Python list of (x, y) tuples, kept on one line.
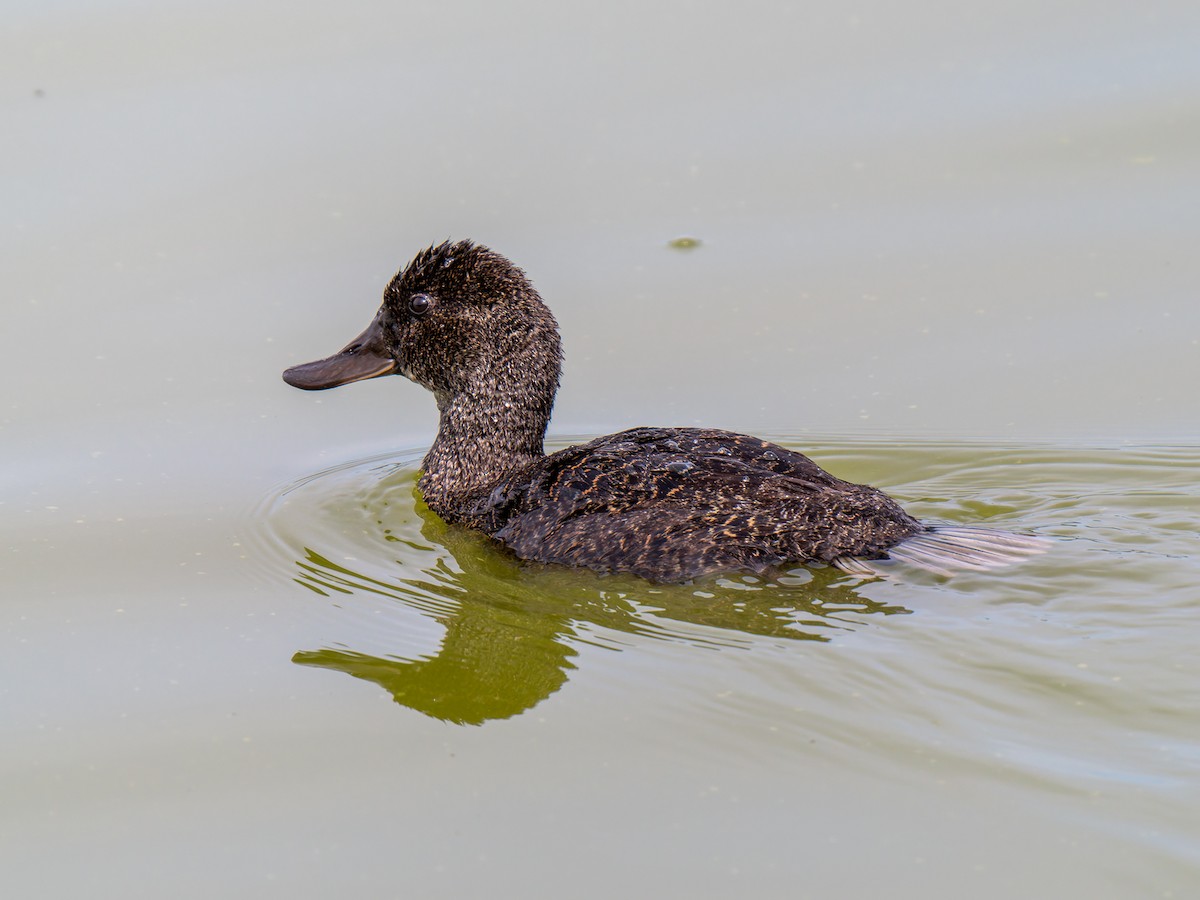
[(684, 243)]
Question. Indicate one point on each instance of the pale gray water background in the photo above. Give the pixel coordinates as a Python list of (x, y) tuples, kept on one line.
[(947, 249)]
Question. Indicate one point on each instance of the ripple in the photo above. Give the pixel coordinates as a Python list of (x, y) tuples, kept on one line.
[(441, 616)]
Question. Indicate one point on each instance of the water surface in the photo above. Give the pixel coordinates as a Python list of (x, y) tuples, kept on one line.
[(948, 251)]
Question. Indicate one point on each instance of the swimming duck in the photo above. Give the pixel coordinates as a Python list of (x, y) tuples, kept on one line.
[(667, 504)]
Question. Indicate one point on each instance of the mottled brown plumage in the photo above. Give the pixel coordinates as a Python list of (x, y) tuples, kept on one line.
[(668, 504)]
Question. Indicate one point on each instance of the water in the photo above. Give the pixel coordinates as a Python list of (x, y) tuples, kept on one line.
[(1065, 686), (945, 252)]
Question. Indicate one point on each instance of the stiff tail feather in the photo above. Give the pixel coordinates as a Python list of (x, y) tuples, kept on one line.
[(946, 549)]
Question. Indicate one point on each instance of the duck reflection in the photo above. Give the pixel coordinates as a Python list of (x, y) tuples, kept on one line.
[(511, 628)]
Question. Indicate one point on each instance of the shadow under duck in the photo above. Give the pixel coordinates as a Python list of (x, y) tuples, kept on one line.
[(667, 504)]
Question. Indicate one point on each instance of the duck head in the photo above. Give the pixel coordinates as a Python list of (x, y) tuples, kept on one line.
[(454, 319), (465, 323)]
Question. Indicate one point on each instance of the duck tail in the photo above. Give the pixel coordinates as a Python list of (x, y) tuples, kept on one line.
[(946, 549)]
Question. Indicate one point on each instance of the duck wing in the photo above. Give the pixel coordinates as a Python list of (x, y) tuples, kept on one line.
[(672, 504)]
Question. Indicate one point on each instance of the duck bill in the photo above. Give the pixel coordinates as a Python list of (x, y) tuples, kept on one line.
[(364, 357)]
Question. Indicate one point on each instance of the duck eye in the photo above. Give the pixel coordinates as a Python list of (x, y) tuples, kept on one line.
[(419, 304)]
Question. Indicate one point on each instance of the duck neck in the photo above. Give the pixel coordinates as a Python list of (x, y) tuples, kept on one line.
[(486, 432)]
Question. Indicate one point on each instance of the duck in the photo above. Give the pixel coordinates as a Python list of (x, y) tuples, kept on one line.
[(665, 504)]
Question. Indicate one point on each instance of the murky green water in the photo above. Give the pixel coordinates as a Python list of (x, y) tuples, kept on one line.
[(948, 251), (1066, 686)]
